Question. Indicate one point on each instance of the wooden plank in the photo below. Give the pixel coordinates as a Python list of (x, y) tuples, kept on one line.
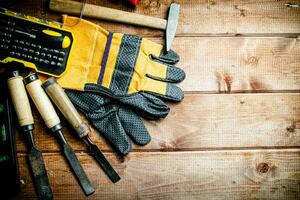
[(238, 17), (239, 64), (199, 17), (264, 174), (220, 64), (209, 122)]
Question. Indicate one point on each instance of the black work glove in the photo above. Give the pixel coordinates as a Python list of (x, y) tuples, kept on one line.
[(115, 121)]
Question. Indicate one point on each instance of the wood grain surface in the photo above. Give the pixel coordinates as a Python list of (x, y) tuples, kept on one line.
[(219, 64), (256, 174), (236, 133), (214, 121), (199, 17)]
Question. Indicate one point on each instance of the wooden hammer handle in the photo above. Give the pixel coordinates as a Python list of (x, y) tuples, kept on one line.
[(98, 12)]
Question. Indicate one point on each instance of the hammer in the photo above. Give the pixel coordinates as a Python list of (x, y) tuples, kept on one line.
[(98, 12)]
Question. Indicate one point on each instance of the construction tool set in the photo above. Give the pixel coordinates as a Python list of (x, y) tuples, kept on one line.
[(113, 79), (35, 43)]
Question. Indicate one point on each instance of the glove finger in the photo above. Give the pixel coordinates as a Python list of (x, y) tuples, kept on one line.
[(170, 57), (101, 112), (111, 128), (175, 74), (134, 126), (167, 73), (173, 93), (146, 105), (167, 91)]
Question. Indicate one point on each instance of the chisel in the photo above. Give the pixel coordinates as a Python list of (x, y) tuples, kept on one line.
[(22, 107), (52, 121), (62, 101)]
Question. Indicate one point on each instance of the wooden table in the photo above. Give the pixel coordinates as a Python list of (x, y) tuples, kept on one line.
[(236, 135)]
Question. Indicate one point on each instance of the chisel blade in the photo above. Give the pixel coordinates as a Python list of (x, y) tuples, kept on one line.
[(78, 170), (104, 164), (40, 176), (172, 24)]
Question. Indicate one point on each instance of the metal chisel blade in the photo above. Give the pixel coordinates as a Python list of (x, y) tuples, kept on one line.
[(103, 162), (172, 24), (78, 170), (40, 176)]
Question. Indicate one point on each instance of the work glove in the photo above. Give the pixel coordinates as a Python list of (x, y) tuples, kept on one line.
[(114, 76), (127, 68), (112, 119)]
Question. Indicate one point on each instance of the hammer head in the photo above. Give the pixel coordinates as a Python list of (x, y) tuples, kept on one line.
[(172, 24)]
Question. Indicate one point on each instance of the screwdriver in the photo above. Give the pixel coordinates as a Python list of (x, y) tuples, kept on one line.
[(22, 107), (62, 101), (46, 109)]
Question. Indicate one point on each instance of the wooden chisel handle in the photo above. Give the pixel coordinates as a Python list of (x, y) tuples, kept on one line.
[(20, 100), (41, 100), (62, 101), (98, 12)]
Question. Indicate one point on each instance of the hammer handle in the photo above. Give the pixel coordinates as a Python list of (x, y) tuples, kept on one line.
[(99, 12)]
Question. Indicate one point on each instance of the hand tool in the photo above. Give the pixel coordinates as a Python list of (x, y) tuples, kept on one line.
[(61, 100), (35, 43), (22, 107), (52, 121), (9, 171), (98, 12)]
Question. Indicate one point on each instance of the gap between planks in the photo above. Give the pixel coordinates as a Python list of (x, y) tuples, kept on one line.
[(260, 174), (229, 150), (221, 149)]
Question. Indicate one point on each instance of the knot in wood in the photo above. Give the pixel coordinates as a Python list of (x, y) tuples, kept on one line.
[(211, 2), (154, 4), (253, 60), (228, 80), (263, 168), (291, 128)]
